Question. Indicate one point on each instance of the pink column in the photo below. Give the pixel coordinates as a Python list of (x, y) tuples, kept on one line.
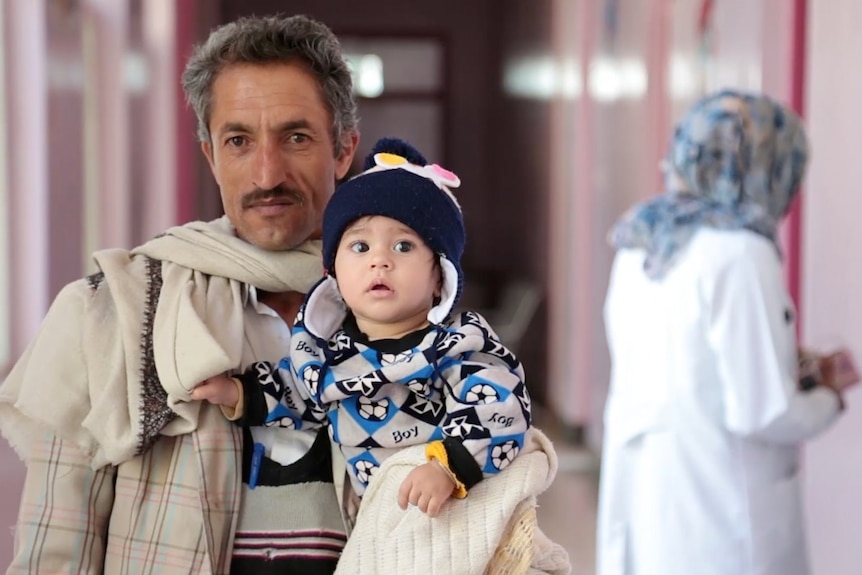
[(570, 295), (26, 58), (26, 145), (186, 123), (658, 94), (159, 30), (107, 111), (5, 236)]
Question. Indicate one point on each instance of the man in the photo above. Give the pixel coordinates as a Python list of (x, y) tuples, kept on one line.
[(124, 473)]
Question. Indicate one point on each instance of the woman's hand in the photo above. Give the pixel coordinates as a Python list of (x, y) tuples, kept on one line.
[(838, 370)]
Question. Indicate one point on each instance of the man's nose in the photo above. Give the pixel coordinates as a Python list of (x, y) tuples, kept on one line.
[(270, 166)]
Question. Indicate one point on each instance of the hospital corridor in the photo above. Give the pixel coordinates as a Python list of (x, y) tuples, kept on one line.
[(661, 213)]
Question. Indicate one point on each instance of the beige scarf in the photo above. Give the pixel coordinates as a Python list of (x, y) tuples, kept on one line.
[(107, 357)]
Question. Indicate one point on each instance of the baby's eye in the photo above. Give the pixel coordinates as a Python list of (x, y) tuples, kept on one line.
[(403, 246), (359, 247)]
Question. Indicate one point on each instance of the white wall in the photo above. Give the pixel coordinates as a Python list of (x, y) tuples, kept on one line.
[(832, 280), (609, 127)]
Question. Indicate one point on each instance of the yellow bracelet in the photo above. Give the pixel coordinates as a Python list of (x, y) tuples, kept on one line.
[(435, 451)]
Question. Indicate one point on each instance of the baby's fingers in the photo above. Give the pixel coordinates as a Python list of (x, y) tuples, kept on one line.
[(202, 392), (404, 492), (435, 505)]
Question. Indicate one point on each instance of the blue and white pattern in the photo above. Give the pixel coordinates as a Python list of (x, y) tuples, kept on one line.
[(735, 162), (460, 382)]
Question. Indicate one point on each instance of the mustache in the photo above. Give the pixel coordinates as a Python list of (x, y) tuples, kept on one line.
[(280, 192)]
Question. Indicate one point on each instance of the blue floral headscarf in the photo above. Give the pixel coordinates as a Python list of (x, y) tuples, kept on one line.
[(735, 162)]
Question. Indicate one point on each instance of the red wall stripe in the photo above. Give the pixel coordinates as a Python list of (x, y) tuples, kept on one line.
[(793, 248), (186, 14)]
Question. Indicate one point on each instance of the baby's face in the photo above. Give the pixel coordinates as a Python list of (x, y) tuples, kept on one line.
[(387, 276)]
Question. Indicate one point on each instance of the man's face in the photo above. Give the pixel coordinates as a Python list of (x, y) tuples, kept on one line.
[(272, 152)]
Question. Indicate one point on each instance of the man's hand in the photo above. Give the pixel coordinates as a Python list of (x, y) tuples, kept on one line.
[(219, 390), (427, 487)]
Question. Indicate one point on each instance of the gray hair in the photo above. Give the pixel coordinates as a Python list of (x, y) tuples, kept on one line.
[(273, 39)]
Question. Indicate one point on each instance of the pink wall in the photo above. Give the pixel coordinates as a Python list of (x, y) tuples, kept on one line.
[(11, 482), (65, 83), (832, 280), (685, 50), (605, 159), (73, 149), (25, 61)]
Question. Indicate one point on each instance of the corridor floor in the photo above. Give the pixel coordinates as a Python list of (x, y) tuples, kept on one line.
[(567, 510)]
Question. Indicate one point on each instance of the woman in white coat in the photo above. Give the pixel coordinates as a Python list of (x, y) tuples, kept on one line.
[(700, 472)]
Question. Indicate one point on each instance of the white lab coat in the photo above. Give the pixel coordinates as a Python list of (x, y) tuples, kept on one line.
[(700, 469)]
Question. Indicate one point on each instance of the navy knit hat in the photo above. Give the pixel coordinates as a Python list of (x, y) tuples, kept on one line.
[(400, 184)]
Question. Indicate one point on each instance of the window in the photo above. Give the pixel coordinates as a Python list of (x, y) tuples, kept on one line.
[(401, 89)]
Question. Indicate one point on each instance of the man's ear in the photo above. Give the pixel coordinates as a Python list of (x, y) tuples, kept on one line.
[(207, 149), (349, 142)]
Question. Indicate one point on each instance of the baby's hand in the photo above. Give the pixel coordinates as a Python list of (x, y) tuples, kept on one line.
[(219, 390), (427, 487)]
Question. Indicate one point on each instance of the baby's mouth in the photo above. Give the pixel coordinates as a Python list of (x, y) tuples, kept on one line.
[(380, 286)]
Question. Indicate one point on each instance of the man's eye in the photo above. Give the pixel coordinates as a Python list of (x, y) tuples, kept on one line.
[(236, 141), (403, 246), (359, 247), (298, 138)]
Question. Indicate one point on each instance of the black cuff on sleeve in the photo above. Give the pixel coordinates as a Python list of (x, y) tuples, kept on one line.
[(255, 402), (808, 382), (462, 463)]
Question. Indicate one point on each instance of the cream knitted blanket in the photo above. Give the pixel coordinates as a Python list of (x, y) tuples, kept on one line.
[(118, 353), (463, 539)]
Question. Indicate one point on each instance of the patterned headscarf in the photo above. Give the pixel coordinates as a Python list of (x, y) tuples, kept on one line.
[(735, 162)]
